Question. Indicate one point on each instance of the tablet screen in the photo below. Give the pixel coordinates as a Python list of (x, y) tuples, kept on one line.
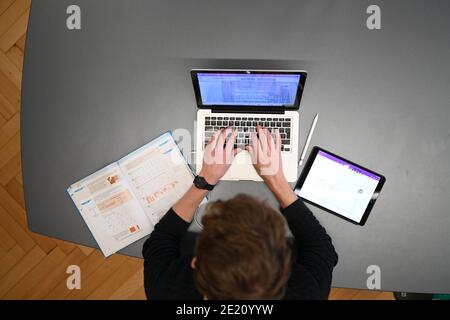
[(339, 186)]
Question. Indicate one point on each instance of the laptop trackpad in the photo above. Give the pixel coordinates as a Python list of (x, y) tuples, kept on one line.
[(242, 168)]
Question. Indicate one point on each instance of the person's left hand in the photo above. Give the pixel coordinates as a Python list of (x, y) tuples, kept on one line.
[(218, 156)]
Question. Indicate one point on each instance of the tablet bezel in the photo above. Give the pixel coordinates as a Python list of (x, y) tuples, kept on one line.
[(304, 174)]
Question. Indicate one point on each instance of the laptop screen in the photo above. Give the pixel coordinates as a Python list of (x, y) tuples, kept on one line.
[(249, 89)]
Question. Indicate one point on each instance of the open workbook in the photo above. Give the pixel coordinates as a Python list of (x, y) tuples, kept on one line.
[(122, 202)]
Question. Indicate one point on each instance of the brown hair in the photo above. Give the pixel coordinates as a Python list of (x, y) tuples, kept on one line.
[(242, 252)]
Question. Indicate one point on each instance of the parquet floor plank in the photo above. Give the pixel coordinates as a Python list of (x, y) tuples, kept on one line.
[(14, 33), (118, 278), (15, 55), (7, 109), (2, 253), (21, 236), (36, 275), (9, 150), (87, 266), (15, 190), (10, 170), (129, 287), (13, 11), (9, 260), (6, 241), (50, 285), (26, 264), (4, 4), (10, 70), (21, 42), (10, 93), (17, 213), (86, 250), (139, 294), (9, 129), (99, 276)]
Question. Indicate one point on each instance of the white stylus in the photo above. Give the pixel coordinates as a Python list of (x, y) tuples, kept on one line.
[(305, 148)]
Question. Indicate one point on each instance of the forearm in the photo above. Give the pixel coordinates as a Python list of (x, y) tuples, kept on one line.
[(161, 253), (304, 226), (185, 207), (281, 190), (315, 248)]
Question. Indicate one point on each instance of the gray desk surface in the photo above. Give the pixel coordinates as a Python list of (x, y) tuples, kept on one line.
[(93, 95)]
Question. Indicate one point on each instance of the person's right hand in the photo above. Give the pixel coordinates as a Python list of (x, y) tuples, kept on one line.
[(266, 154), (266, 158)]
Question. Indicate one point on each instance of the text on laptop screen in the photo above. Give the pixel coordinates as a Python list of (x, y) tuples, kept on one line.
[(248, 89), (339, 186)]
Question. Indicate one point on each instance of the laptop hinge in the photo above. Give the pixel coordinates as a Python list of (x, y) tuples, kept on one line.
[(268, 111)]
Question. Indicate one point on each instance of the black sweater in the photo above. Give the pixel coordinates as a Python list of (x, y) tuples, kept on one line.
[(168, 273)]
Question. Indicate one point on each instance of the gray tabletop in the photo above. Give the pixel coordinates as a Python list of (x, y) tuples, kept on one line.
[(90, 96)]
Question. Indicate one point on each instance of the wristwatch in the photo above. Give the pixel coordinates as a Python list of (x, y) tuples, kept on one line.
[(201, 183)]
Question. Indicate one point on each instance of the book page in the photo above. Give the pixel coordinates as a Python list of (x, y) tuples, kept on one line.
[(110, 209), (159, 175)]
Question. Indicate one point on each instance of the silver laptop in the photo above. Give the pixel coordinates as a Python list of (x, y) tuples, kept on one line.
[(243, 99)]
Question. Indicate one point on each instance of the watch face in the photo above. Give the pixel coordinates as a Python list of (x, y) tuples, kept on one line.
[(201, 183)]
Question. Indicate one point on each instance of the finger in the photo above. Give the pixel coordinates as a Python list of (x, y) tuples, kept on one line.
[(209, 152), (221, 139), (218, 151), (229, 149), (255, 142), (256, 145), (210, 148), (227, 131), (270, 142), (210, 142), (278, 140), (262, 139), (214, 138), (231, 141)]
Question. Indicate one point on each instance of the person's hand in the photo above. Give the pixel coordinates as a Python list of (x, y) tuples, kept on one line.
[(266, 158), (219, 154), (266, 154)]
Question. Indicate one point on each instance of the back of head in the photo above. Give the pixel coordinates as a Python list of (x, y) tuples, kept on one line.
[(242, 252)]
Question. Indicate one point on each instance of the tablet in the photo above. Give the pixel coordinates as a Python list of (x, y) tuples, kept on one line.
[(339, 186)]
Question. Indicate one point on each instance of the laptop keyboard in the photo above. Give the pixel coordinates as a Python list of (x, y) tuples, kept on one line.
[(246, 125)]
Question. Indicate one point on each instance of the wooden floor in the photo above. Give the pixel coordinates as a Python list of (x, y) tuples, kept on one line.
[(33, 266)]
